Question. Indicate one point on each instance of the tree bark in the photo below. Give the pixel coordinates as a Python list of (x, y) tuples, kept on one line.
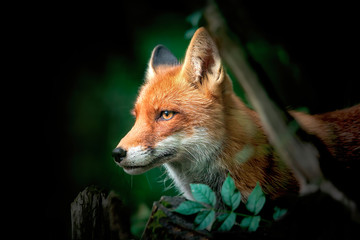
[(98, 215), (308, 217), (166, 224)]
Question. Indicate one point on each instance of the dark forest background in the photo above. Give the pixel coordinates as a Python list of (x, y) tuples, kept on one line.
[(91, 59)]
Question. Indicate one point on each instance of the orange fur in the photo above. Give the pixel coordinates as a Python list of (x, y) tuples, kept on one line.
[(213, 132)]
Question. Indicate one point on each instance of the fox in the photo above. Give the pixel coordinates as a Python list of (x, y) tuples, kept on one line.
[(189, 120)]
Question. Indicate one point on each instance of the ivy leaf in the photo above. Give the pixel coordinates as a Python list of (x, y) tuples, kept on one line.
[(203, 193), (204, 219), (279, 212), (228, 223), (251, 223), (189, 207), (256, 200)]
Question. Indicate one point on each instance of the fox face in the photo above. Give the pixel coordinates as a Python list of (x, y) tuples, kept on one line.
[(189, 120), (178, 115), (162, 132), (180, 119)]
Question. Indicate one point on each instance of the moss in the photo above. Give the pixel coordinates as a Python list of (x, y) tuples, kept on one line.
[(155, 223), (166, 204)]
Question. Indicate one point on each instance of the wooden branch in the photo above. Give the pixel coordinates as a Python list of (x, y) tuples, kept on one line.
[(310, 216), (301, 156), (166, 224)]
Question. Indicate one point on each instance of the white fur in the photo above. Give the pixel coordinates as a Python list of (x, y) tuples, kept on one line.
[(195, 160), (137, 155), (139, 158), (150, 72)]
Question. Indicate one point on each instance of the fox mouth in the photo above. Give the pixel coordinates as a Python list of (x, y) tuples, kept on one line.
[(157, 161)]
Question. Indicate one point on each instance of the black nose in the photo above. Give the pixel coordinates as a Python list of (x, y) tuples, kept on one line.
[(118, 154)]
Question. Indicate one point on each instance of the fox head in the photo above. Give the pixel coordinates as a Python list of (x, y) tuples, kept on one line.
[(179, 110)]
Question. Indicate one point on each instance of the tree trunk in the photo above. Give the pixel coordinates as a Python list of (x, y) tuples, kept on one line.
[(98, 215)]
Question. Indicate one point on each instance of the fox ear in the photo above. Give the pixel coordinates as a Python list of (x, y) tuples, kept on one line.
[(202, 65), (160, 56)]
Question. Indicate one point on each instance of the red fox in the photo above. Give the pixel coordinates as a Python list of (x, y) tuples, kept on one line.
[(189, 120)]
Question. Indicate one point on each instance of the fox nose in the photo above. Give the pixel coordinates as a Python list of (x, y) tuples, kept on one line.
[(118, 154)]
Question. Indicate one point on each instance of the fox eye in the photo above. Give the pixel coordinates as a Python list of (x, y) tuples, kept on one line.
[(167, 115)]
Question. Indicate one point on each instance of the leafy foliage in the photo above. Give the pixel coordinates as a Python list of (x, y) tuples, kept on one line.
[(189, 207), (278, 213), (230, 195), (251, 223), (256, 200), (205, 203), (203, 193), (194, 19), (204, 219), (228, 221)]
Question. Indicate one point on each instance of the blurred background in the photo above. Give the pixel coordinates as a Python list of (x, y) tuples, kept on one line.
[(95, 58), (93, 61)]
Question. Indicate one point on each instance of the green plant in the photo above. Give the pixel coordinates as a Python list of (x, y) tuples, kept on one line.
[(195, 20), (205, 207)]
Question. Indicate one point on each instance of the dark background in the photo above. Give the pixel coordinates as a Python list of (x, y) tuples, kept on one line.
[(93, 62), (90, 61)]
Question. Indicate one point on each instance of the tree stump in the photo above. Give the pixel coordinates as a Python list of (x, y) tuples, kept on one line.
[(98, 215)]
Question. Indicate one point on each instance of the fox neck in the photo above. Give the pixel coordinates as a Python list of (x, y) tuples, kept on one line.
[(186, 172), (250, 158), (197, 163), (244, 152)]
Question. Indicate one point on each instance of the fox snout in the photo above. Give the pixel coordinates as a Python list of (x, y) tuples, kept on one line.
[(118, 154), (137, 160)]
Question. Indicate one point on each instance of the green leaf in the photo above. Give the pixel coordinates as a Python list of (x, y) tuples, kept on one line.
[(229, 194), (259, 205), (222, 217), (254, 223), (189, 33), (279, 212), (203, 193), (245, 223), (245, 154), (256, 200), (235, 200), (228, 223), (204, 219), (251, 223), (194, 18), (227, 190), (189, 207)]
